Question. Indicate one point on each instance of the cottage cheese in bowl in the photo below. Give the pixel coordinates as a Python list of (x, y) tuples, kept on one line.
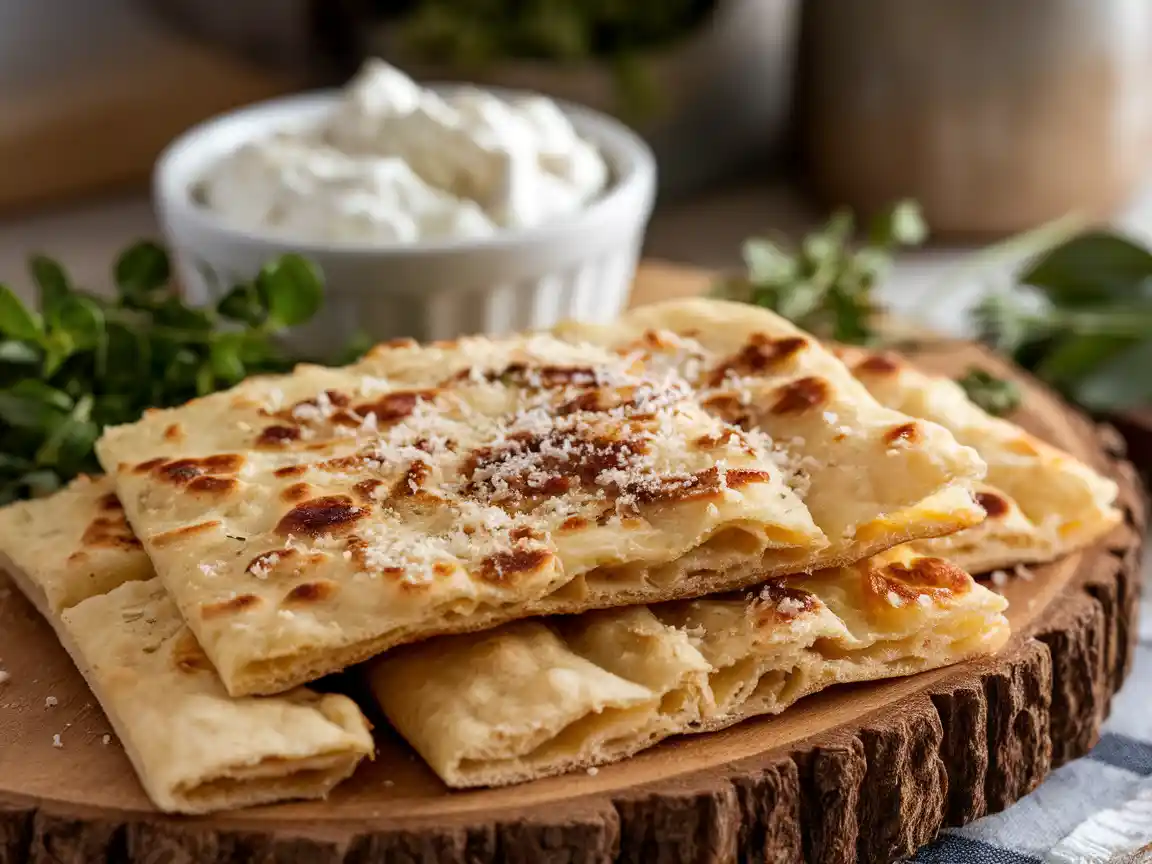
[(397, 163)]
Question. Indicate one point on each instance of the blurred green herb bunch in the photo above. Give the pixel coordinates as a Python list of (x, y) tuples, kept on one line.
[(1077, 313), (478, 33), (86, 361)]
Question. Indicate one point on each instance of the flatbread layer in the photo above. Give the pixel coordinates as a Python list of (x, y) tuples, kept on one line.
[(76, 543), (194, 748), (536, 698), (870, 477), (308, 522), (1041, 502)]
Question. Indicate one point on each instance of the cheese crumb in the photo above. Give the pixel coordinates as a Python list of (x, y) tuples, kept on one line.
[(4, 677), (51, 702), (831, 417), (1024, 573), (999, 578), (593, 771), (894, 599), (56, 742), (106, 740), (790, 606), (924, 600)]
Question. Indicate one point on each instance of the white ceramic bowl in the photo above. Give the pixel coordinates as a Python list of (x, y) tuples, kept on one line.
[(580, 266)]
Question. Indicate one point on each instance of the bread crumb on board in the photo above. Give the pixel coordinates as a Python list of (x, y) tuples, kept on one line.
[(51, 702), (56, 742), (999, 578), (106, 740), (4, 677)]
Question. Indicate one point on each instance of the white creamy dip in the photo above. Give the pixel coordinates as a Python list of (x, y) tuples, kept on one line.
[(397, 163)]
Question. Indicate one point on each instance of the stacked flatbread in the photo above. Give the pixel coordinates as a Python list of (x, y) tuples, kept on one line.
[(309, 522), (1041, 503), (299, 524), (195, 748), (542, 697)]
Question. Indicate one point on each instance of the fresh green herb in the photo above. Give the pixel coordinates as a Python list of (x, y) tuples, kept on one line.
[(825, 285), (997, 396), (1083, 321), (1078, 316), (85, 362), (477, 33)]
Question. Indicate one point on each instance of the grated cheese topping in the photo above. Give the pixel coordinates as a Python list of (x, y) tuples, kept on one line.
[(790, 606)]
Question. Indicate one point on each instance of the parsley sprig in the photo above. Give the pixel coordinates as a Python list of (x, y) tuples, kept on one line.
[(85, 361)]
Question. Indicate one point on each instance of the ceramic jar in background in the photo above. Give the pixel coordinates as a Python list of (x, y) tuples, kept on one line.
[(997, 116)]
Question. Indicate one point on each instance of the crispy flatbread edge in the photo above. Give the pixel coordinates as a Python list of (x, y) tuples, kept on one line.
[(279, 673), (988, 555), (991, 640), (243, 786), (995, 640)]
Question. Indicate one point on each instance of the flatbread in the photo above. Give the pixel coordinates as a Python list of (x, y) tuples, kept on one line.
[(194, 748), (1041, 502), (537, 698), (308, 522), (870, 477), (76, 543)]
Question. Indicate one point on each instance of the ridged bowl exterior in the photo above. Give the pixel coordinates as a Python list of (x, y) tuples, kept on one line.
[(578, 267)]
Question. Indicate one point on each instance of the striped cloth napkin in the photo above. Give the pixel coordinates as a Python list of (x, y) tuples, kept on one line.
[(1096, 810)]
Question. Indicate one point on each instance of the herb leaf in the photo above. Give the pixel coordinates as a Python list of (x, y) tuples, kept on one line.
[(997, 396), (291, 290), (1118, 384), (141, 270), (51, 281), (16, 322), (1092, 268), (903, 225)]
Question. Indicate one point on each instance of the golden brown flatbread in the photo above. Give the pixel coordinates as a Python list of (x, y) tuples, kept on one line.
[(869, 478), (1041, 502), (536, 698), (307, 522), (194, 748)]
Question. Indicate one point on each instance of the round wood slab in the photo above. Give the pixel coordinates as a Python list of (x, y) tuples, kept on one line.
[(865, 772)]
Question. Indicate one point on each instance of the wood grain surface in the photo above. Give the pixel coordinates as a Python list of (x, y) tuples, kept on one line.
[(859, 773)]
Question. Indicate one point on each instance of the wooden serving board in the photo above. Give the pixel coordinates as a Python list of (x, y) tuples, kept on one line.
[(860, 773)]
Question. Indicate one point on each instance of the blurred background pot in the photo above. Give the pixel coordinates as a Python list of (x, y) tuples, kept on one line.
[(997, 116), (721, 94)]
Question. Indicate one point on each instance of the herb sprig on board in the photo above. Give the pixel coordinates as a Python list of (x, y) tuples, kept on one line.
[(825, 284), (85, 361), (1085, 323), (1078, 315)]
